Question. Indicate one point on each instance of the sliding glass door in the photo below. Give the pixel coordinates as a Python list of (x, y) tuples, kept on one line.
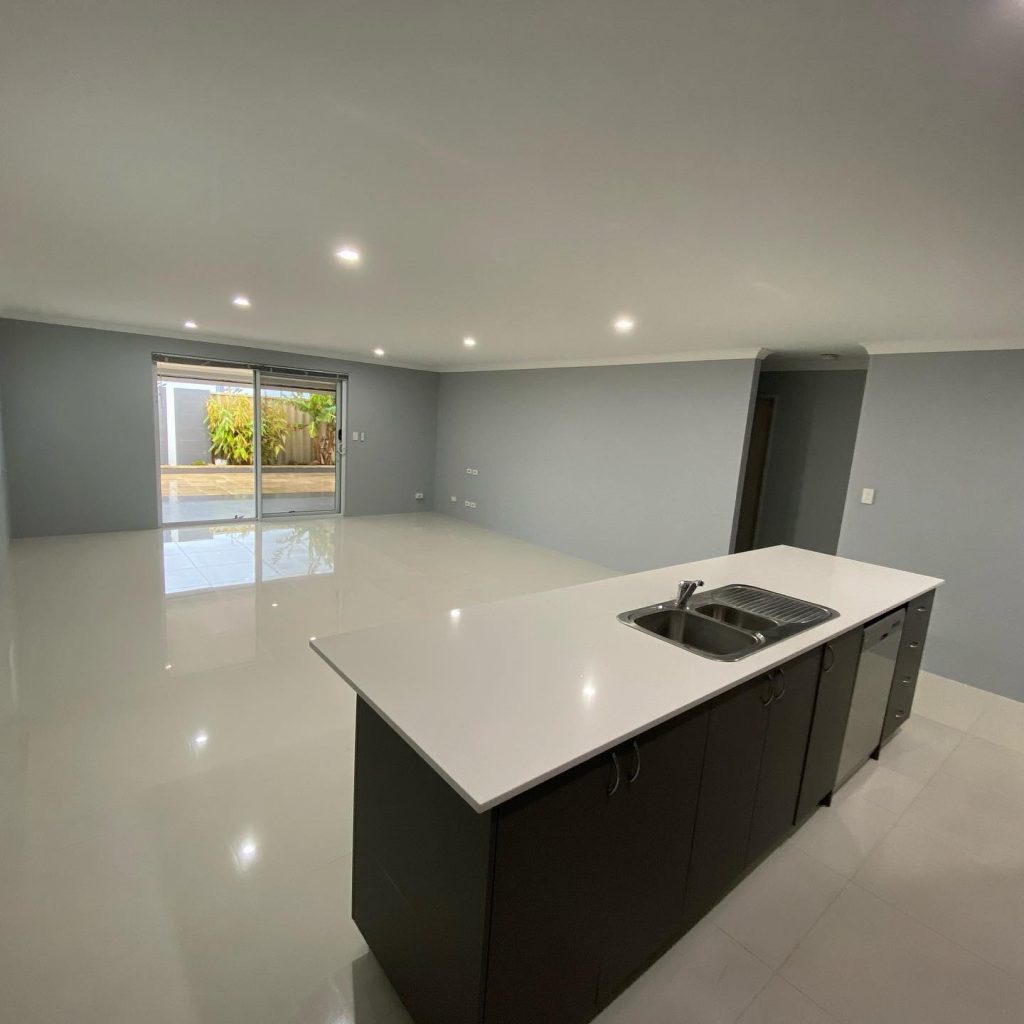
[(244, 442), (299, 464), (206, 424)]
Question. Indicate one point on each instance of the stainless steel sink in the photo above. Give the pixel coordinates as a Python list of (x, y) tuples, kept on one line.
[(735, 617), (694, 631), (728, 623)]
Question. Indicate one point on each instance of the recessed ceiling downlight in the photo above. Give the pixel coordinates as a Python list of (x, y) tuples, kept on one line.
[(349, 254), (623, 324), (190, 325), (242, 301), (379, 353), (469, 342)]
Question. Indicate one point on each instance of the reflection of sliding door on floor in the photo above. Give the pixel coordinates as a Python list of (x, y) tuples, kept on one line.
[(213, 468), (298, 456), (205, 420)]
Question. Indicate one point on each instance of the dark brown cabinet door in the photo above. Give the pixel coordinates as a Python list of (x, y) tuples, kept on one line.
[(828, 726), (590, 876), (794, 687), (652, 819), (554, 868), (737, 725)]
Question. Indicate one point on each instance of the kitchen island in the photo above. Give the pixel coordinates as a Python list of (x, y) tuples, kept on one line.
[(546, 798)]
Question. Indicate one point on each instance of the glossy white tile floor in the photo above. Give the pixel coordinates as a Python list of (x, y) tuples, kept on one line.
[(175, 802)]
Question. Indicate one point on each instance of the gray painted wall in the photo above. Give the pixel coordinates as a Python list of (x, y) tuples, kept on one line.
[(56, 424), (942, 442), (630, 466), (810, 452)]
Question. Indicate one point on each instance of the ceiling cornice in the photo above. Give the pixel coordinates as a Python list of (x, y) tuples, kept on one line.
[(8, 313), (895, 348), (872, 348), (717, 355)]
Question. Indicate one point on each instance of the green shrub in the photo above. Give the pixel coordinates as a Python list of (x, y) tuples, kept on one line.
[(229, 422)]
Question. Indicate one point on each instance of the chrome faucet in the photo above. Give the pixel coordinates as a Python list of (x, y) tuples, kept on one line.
[(685, 592)]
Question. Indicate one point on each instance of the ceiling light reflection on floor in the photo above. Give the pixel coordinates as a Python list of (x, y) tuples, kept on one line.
[(246, 853)]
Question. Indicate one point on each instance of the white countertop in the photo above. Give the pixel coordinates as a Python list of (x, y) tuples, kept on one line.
[(502, 696)]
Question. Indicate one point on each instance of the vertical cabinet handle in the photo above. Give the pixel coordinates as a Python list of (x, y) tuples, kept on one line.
[(782, 692), (771, 692), (830, 656), (614, 787), (635, 773)]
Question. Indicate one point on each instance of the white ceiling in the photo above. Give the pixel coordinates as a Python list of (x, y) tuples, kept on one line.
[(786, 174)]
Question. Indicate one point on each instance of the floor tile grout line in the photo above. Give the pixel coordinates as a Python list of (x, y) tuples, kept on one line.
[(771, 970), (828, 1013), (803, 938), (907, 913), (935, 931), (974, 721)]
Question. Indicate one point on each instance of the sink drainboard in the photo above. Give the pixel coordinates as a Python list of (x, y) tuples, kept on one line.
[(779, 607)]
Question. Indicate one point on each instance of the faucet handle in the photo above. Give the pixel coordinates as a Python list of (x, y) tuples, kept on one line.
[(686, 589)]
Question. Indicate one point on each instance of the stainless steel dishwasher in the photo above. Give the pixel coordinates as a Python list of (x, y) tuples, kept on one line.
[(870, 692)]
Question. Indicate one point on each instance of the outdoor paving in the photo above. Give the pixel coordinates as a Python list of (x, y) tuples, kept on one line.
[(189, 497), (314, 480)]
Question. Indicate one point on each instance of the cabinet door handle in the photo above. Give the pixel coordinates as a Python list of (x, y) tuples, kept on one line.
[(901, 714), (635, 773), (831, 664), (614, 787), (771, 692), (782, 692), (922, 608), (915, 643)]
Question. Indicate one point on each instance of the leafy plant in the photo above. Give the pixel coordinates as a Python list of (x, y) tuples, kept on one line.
[(274, 429), (229, 420), (322, 413)]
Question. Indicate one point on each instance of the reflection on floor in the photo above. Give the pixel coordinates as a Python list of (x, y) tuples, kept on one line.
[(175, 803), (176, 764)]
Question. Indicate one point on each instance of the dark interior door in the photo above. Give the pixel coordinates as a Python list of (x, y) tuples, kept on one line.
[(794, 686), (652, 820), (737, 725), (753, 473)]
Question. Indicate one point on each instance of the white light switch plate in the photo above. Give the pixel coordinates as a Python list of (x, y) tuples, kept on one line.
[(867, 496)]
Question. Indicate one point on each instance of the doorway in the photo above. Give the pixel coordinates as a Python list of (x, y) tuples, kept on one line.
[(241, 442), (800, 454), (753, 474)]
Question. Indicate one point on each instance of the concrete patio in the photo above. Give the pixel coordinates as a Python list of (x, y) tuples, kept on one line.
[(198, 493)]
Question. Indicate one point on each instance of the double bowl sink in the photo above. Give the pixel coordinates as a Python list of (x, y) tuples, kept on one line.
[(728, 623)]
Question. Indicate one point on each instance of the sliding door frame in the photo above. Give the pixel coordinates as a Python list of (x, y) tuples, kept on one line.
[(257, 369), (340, 433)]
